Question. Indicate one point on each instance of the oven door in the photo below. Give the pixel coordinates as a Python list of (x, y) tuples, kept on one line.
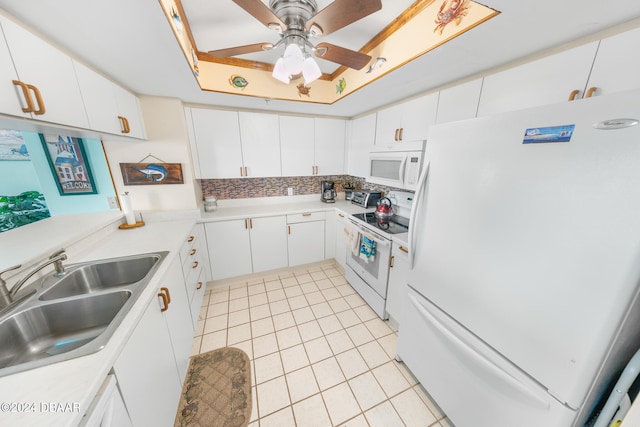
[(373, 270)]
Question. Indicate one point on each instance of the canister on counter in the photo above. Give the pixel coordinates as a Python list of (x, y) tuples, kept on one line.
[(210, 203)]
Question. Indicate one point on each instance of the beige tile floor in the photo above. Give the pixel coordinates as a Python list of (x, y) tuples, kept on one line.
[(320, 356)]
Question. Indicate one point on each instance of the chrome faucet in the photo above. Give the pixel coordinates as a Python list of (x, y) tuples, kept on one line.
[(6, 295)]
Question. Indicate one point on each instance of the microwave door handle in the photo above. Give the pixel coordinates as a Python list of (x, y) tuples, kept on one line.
[(403, 166), (415, 213)]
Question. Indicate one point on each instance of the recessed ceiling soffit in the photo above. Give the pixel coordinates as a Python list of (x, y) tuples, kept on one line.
[(423, 26)]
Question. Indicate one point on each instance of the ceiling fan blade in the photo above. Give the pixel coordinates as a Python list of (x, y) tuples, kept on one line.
[(241, 50), (342, 56), (341, 13), (262, 13)]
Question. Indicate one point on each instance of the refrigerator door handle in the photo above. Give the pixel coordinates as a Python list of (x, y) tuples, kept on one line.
[(415, 213), (479, 359)]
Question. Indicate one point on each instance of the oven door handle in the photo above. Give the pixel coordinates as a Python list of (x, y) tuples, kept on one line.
[(379, 240)]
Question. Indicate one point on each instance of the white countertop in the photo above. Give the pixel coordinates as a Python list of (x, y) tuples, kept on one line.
[(76, 381), (96, 236)]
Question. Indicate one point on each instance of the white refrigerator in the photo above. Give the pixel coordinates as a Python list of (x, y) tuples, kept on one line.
[(525, 240)]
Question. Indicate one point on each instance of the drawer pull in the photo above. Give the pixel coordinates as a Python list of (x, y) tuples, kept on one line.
[(340, 215), (30, 108), (165, 303), (199, 285), (41, 108), (573, 94), (306, 214), (403, 249), (590, 92), (193, 252), (191, 239), (166, 291), (195, 265)]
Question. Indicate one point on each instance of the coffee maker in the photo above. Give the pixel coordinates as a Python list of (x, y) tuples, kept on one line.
[(327, 192)]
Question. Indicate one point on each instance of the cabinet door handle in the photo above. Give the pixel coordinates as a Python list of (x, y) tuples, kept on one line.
[(395, 138), (391, 261), (241, 173), (573, 94), (340, 215), (246, 171), (165, 303), (246, 224), (27, 97), (403, 249), (166, 291), (250, 223), (590, 92), (289, 229), (41, 108), (401, 131), (199, 286), (124, 124), (191, 239), (193, 252), (195, 265)]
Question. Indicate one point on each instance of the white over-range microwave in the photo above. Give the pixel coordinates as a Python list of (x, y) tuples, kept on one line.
[(398, 166)]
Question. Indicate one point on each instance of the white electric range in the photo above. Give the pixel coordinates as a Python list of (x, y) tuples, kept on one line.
[(369, 250)]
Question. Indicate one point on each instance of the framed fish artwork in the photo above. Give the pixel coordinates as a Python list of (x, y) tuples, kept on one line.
[(151, 173)]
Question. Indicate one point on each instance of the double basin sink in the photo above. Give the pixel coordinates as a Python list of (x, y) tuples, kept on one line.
[(75, 314)]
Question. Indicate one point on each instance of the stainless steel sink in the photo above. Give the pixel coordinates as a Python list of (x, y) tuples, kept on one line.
[(73, 315), (100, 276)]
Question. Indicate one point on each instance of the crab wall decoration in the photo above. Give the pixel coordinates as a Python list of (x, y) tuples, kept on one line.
[(450, 11)]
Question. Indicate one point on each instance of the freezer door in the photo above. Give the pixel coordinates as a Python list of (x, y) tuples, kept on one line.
[(535, 247), (472, 383)]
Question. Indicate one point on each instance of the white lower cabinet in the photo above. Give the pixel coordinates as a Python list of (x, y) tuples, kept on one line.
[(151, 366), (229, 248), (245, 246), (341, 238), (305, 237), (397, 289), (107, 408)]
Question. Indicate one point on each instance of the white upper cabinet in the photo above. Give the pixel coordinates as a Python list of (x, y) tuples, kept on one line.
[(99, 102), (129, 114), (260, 137), (329, 147), (48, 81), (361, 140), (297, 146), (217, 136), (409, 121), (546, 81), (9, 103), (617, 65), (459, 102)]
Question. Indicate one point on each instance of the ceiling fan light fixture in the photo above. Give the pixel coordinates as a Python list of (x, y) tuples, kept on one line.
[(275, 27), (310, 70), (315, 30), (293, 59), (280, 73)]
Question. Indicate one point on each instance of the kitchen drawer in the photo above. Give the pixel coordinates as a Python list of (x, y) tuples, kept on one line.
[(188, 245), (305, 217), (196, 294)]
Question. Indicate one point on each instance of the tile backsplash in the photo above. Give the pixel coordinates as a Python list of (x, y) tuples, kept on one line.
[(241, 188)]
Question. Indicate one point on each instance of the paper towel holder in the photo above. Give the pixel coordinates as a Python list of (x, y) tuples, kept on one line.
[(126, 208), (129, 226)]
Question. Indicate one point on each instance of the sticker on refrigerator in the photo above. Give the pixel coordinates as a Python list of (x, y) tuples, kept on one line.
[(548, 134)]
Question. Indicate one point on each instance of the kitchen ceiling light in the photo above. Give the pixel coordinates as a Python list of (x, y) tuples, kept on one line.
[(280, 73), (295, 61), (310, 70)]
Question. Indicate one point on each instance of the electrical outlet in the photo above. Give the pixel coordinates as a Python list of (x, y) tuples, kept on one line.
[(113, 203), (289, 191)]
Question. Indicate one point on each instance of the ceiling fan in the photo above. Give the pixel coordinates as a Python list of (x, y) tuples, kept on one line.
[(298, 20)]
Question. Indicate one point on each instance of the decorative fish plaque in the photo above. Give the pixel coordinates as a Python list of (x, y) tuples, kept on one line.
[(151, 173)]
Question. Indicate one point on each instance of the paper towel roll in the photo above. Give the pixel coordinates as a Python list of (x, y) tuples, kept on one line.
[(129, 216)]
